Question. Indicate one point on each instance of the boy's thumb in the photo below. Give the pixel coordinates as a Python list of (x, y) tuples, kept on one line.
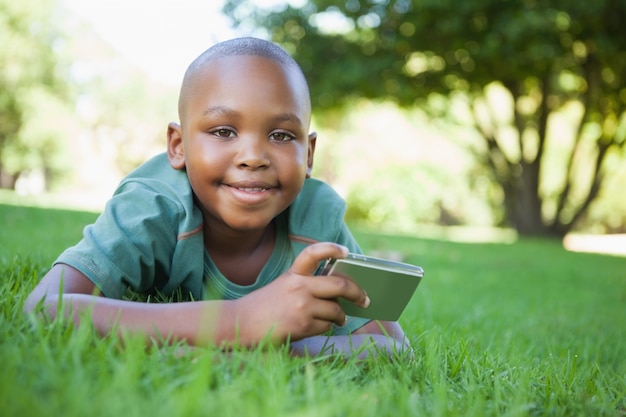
[(309, 259)]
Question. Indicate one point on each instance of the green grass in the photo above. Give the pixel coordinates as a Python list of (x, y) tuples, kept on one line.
[(499, 330)]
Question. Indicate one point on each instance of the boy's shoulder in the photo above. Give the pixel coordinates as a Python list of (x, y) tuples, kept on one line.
[(156, 170), (158, 176), (161, 189), (318, 211), (317, 190)]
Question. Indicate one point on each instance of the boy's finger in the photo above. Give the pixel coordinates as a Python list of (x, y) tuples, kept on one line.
[(328, 311), (333, 286), (309, 259)]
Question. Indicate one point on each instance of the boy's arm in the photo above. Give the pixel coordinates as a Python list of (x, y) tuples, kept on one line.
[(294, 306), (66, 287)]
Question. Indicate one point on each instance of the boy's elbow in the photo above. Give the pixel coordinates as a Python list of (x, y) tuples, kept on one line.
[(29, 304), (59, 280), (64, 290), (38, 299)]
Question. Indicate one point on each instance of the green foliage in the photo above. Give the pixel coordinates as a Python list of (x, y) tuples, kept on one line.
[(397, 172), (520, 330), (122, 111), (33, 89), (68, 102), (544, 56)]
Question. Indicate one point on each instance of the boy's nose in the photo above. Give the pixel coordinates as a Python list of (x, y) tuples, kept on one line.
[(252, 152)]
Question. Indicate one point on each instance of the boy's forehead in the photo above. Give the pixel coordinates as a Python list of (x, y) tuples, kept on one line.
[(240, 69), (212, 66)]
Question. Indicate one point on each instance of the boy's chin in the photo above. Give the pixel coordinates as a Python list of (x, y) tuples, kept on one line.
[(249, 225)]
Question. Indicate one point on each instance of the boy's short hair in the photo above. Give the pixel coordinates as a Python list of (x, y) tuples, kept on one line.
[(246, 46)]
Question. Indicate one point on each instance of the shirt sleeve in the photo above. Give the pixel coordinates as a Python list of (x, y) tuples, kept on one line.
[(130, 244)]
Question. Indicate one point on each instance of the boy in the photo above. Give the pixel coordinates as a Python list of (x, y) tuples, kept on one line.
[(229, 219)]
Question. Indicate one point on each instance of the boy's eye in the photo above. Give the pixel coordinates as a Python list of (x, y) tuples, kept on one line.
[(281, 137), (223, 133)]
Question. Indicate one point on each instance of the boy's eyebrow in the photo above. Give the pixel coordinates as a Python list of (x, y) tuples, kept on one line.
[(219, 111), (288, 117), (226, 111)]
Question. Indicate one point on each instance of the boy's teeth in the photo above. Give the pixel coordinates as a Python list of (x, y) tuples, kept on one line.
[(251, 190)]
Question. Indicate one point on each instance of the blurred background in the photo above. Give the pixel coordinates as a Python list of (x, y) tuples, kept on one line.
[(477, 120)]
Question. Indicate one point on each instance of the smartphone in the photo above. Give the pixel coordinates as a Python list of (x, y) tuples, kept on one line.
[(389, 284)]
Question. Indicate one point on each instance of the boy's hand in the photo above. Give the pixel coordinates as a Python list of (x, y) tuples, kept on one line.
[(298, 304)]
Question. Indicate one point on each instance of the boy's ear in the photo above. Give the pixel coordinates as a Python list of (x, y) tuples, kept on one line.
[(175, 151), (311, 152)]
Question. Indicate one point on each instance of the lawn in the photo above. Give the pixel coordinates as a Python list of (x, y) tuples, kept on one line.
[(520, 329)]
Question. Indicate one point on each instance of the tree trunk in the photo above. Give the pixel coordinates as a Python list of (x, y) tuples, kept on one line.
[(523, 204), (7, 180)]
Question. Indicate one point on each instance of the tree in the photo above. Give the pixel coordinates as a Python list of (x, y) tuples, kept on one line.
[(32, 85), (538, 58)]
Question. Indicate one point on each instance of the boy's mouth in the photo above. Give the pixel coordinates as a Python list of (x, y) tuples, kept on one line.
[(250, 186), (251, 190), (250, 193)]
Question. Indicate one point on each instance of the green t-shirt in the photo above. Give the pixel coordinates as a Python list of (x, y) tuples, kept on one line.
[(149, 239)]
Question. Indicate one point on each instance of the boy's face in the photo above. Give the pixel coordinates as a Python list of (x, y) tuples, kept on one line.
[(243, 140)]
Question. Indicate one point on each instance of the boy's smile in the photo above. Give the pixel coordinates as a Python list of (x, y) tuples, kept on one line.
[(243, 141), (250, 192)]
